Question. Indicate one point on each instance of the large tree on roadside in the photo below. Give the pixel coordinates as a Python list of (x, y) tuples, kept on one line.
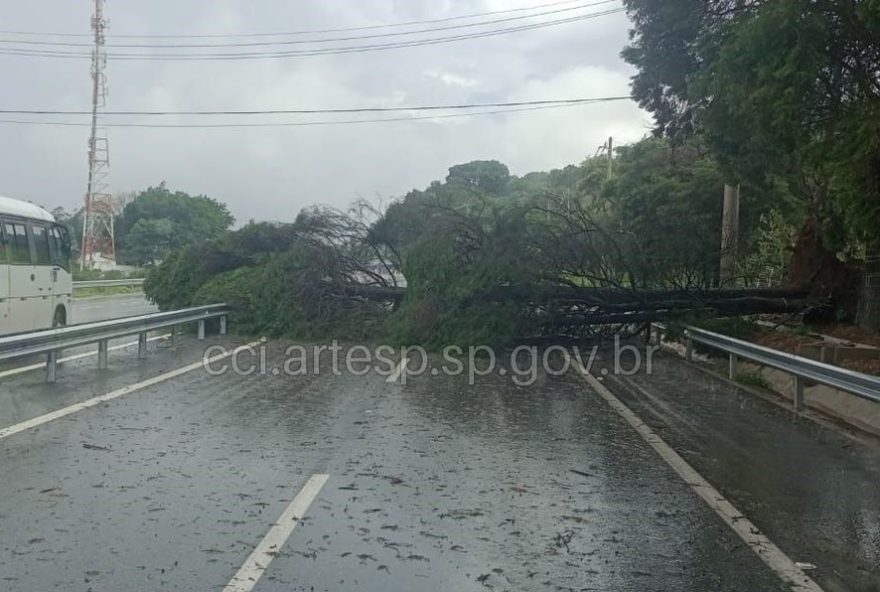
[(782, 87), (158, 220), (795, 85)]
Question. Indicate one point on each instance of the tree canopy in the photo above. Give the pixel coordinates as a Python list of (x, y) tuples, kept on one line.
[(489, 177), (467, 251), (776, 89), (158, 220)]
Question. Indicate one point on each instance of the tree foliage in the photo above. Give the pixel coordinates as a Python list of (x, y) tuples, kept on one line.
[(488, 177), (158, 220), (776, 88), (284, 279), (461, 250)]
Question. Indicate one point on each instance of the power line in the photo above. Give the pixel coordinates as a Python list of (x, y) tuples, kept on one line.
[(310, 52), (292, 33), (300, 123), (309, 41), (450, 107)]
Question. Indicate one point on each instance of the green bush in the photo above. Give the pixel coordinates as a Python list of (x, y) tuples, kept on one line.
[(287, 294), (237, 289), (173, 283), (754, 379)]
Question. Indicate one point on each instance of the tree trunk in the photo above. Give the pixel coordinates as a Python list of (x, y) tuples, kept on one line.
[(812, 264)]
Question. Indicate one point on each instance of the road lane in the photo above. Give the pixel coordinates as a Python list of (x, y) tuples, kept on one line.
[(259, 560), (791, 572), (71, 355), (87, 310), (40, 420), (170, 487), (435, 484), (448, 486), (101, 308), (812, 490), (26, 395)]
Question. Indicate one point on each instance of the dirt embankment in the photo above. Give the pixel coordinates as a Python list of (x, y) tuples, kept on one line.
[(790, 341)]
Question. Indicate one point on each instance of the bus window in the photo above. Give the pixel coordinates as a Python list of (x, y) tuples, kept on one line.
[(16, 237), (3, 257), (41, 244), (59, 244)]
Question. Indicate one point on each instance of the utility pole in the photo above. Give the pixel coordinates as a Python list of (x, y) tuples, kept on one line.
[(729, 235), (98, 243), (610, 156)]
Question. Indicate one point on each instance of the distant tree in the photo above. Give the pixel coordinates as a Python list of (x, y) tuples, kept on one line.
[(486, 176), (158, 220), (564, 179), (467, 187), (149, 239), (123, 198), (60, 214), (532, 185)]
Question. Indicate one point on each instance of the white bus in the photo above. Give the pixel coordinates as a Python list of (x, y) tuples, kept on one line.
[(36, 286)]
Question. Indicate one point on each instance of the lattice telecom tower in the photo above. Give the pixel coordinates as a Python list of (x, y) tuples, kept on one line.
[(98, 244)]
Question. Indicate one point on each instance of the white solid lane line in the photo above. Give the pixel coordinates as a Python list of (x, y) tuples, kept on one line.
[(397, 371), (258, 561), (769, 553), (42, 365), (64, 412)]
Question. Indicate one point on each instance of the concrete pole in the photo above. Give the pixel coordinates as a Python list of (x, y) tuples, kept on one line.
[(610, 157), (869, 297), (729, 235)]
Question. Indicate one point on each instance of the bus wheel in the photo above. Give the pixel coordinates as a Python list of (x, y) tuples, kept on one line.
[(60, 318)]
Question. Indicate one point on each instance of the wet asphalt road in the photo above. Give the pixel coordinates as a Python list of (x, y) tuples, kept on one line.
[(87, 310), (806, 486), (100, 308), (434, 485)]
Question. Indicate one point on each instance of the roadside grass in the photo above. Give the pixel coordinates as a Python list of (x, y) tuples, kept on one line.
[(753, 379), (93, 292)]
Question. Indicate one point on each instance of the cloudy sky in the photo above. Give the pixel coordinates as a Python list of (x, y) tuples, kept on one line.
[(269, 173)]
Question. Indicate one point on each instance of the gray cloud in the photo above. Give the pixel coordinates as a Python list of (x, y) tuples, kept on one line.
[(270, 173)]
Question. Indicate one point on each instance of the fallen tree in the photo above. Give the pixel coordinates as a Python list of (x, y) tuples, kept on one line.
[(566, 311), (476, 272)]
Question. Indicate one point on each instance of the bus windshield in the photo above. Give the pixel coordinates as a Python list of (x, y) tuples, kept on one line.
[(59, 246)]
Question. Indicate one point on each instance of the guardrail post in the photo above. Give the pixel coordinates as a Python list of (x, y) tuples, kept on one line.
[(201, 329), (102, 354), (175, 336), (799, 402), (689, 349), (223, 325), (51, 363), (142, 345), (732, 369)]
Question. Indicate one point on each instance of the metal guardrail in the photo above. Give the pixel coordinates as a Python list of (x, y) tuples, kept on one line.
[(803, 369), (52, 341), (108, 283)]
